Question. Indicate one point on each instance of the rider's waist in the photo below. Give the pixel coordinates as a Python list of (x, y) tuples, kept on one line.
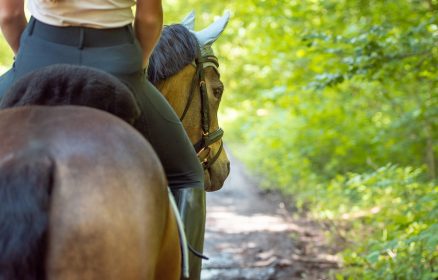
[(81, 36)]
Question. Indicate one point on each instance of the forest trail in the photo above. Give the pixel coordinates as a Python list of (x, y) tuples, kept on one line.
[(251, 235)]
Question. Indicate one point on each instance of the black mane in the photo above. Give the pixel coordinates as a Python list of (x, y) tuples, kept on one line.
[(176, 49)]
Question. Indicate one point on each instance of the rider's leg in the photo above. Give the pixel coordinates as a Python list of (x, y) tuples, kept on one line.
[(185, 174), (191, 204)]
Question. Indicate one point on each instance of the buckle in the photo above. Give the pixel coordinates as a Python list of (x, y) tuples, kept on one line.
[(203, 154)]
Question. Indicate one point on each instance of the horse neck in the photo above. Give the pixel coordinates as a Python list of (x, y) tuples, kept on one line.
[(176, 90)]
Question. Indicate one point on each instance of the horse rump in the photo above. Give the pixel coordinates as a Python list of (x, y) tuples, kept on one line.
[(25, 187), (63, 84)]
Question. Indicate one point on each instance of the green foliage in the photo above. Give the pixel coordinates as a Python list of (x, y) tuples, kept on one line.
[(391, 217), (6, 56), (321, 95)]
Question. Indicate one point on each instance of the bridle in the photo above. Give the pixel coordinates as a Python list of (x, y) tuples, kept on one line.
[(202, 147)]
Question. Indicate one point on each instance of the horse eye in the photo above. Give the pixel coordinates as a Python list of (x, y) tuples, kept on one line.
[(218, 91)]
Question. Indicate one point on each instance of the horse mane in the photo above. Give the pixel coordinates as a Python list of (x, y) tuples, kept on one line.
[(63, 84), (175, 50)]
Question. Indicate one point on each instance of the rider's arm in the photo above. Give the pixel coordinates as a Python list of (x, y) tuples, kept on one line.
[(12, 21), (148, 24)]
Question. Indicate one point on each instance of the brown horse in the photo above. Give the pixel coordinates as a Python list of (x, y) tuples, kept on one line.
[(83, 194), (184, 68)]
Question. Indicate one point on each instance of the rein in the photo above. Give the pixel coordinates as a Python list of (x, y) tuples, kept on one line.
[(202, 147)]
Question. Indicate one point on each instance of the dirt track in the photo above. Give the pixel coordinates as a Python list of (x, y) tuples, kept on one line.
[(251, 235)]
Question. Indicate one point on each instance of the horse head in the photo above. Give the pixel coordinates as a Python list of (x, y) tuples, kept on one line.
[(184, 68)]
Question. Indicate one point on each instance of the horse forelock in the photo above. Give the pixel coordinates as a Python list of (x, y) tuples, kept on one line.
[(175, 50)]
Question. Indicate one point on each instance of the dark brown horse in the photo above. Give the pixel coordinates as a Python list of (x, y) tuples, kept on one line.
[(83, 195)]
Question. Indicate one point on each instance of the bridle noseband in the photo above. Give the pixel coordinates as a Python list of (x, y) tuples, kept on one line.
[(202, 147)]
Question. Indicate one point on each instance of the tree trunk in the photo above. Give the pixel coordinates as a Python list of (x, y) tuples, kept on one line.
[(430, 153)]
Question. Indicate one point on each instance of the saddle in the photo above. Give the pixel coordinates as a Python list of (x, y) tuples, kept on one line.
[(63, 84)]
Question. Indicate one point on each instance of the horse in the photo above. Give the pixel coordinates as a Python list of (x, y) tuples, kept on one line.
[(51, 240), (185, 70), (83, 194)]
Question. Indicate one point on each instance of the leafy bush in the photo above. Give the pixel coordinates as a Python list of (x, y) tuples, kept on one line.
[(392, 221)]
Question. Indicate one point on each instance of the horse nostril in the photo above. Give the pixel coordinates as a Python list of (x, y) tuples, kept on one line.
[(228, 167)]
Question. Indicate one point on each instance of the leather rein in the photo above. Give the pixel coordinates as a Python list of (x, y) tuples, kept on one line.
[(202, 147)]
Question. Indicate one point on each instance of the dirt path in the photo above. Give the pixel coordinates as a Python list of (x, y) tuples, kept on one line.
[(250, 235)]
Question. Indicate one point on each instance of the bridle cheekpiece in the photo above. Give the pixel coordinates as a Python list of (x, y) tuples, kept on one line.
[(202, 147)]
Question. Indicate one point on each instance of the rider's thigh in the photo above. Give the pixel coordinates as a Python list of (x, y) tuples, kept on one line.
[(163, 129)]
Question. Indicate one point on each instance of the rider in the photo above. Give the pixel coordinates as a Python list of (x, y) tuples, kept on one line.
[(100, 34)]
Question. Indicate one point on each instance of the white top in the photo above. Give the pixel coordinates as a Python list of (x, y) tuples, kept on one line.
[(89, 13)]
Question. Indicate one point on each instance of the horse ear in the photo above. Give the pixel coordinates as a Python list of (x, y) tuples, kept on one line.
[(189, 21), (209, 35)]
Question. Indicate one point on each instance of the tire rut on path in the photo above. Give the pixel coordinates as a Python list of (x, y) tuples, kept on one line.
[(250, 235)]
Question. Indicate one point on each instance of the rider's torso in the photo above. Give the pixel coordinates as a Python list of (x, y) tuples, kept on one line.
[(89, 13)]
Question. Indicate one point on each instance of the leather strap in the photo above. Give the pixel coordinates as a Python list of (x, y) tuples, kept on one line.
[(208, 138)]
